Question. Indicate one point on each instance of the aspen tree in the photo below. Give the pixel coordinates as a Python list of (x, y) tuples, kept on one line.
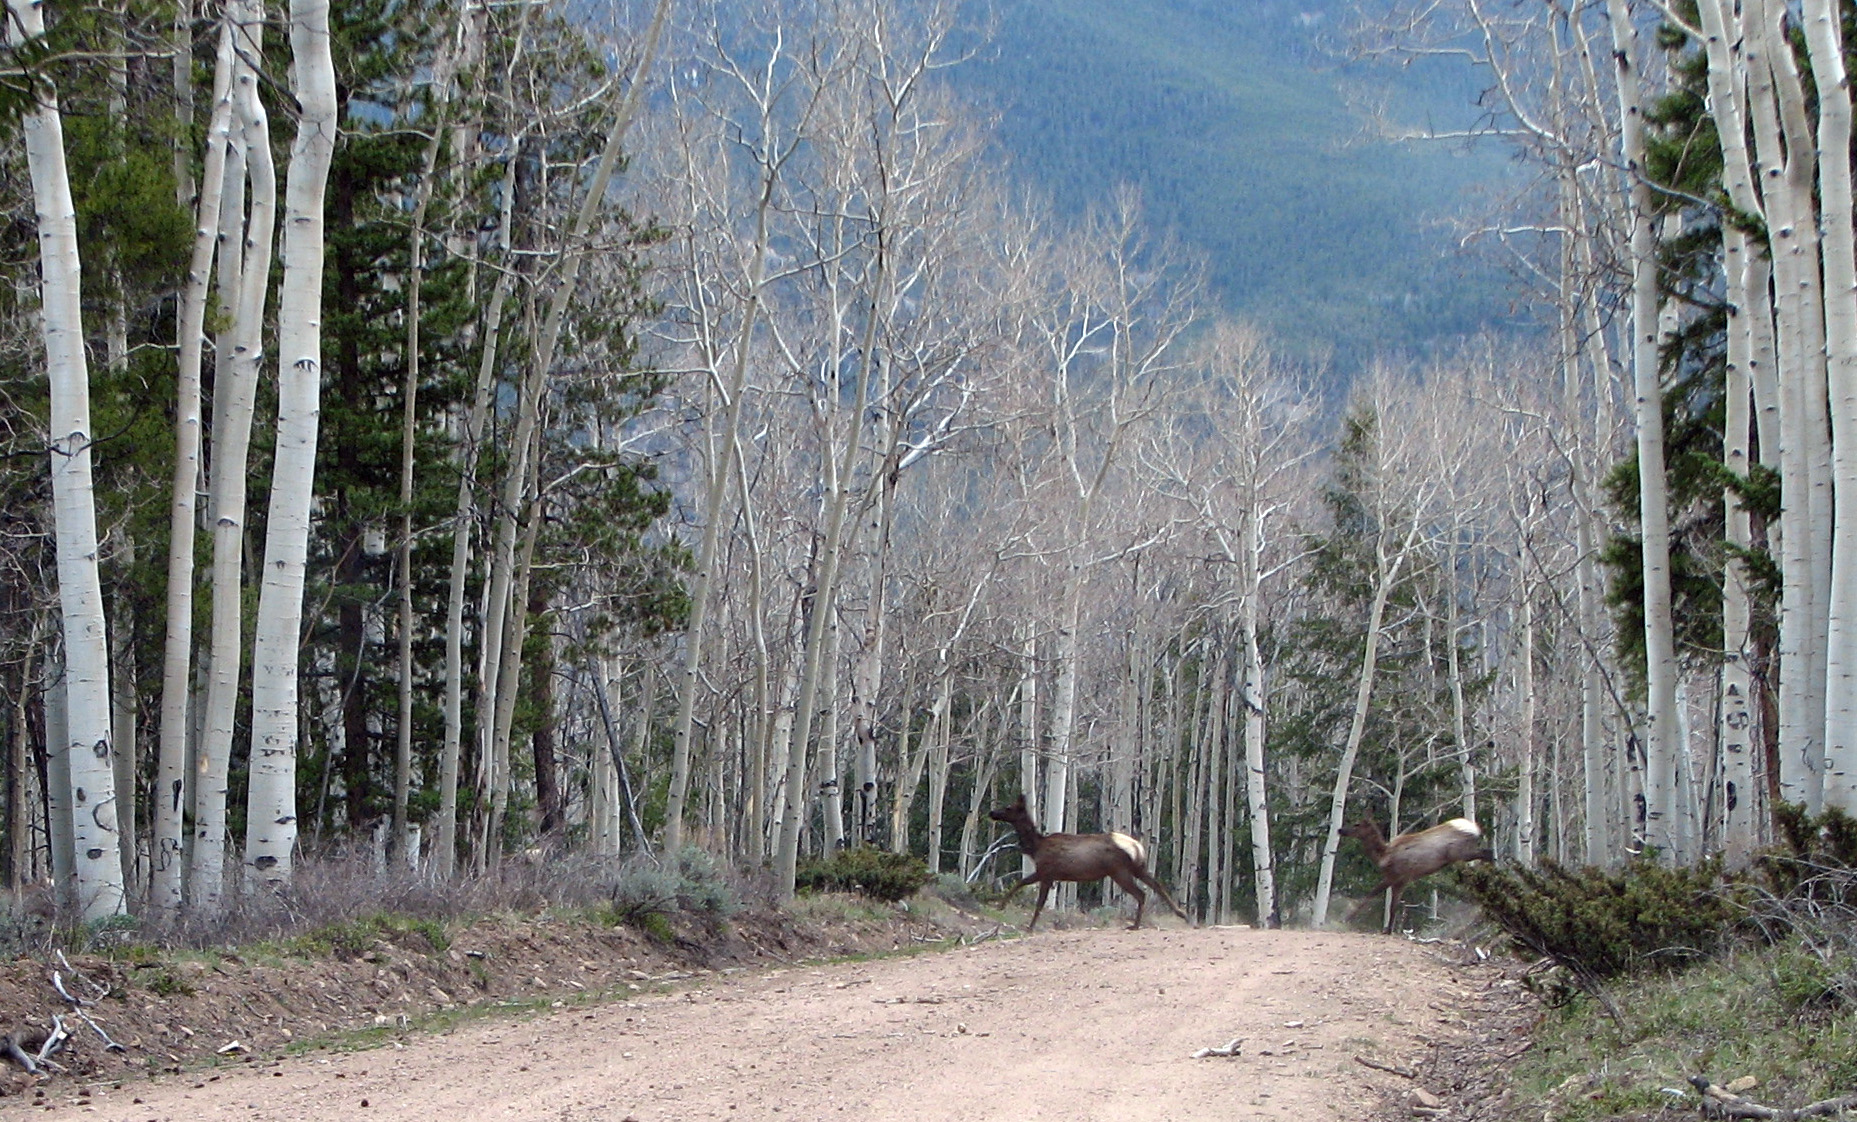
[(1744, 272), (1397, 523), (271, 809), (1660, 748), (167, 848), (768, 89), (1839, 253), (86, 748), (245, 280)]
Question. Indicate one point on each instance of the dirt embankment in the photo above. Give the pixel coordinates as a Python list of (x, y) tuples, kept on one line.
[(1077, 1024)]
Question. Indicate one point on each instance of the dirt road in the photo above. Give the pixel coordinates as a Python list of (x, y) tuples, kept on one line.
[(1081, 1024)]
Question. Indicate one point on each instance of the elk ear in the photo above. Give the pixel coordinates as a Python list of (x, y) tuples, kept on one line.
[(1019, 803)]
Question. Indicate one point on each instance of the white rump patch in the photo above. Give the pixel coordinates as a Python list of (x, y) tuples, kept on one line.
[(1136, 851), (1465, 826)]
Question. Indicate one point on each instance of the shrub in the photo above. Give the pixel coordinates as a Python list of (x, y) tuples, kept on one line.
[(1600, 924), (1806, 904), (867, 871), (646, 894)]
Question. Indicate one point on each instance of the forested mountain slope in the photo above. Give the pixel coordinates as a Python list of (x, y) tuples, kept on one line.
[(1234, 119)]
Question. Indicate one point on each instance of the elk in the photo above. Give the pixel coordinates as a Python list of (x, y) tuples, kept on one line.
[(1410, 856), (1080, 858)]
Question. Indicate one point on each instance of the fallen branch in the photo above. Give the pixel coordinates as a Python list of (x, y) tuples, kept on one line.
[(1395, 1069), (102, 990), (1230, 1049), (108, 1044), (1727, 1104), (9, 1047), (77, 1006), (53, 1042)]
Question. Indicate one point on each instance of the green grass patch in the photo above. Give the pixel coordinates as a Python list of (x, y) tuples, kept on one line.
[(357, 938), (836, 907), (163, 981), (1738, 1014)]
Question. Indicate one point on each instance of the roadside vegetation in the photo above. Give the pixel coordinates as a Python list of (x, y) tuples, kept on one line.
[(1659, 982)]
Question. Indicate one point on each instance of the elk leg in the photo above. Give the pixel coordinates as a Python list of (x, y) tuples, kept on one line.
[(1127, 884), (1148, 878), (1392, 906), (1044, 890), (1014, 890), (1372, 895)]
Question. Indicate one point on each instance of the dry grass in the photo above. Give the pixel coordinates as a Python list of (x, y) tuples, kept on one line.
[(342, 891)]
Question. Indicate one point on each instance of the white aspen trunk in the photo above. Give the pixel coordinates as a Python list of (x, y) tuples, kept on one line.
[(1748, 353), (121, 624), (708, 552), (1064, 658), (1028, 732), (22, 800), (444, 862), (123, 732), (498, 607), (271, 809), (831, 791), (1735, 713), (416, 264), (1387, 577), (1255, 697), (909, 767), (939, 755), (1801, 179), (241, 350), (604, 805), (97, 862), (1606, 766), (1838, 248), (1467, 784), (181, 78), (59, 837), (506, 671), (990, 753), (1784, 170), (777, 746), (236, 352), (1217, 829), (1654, 517), (825, 592), (867, 679), (1596, 849), (760, 750), (166, 849), (1525, 840)]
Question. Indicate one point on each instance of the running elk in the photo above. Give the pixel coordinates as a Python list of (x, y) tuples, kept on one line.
[(1410, 856), (1080, 858)]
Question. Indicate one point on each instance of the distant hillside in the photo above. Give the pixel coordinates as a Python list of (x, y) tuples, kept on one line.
[(1232, 119)]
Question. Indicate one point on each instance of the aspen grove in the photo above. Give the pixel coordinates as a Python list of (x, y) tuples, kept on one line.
[(439, 430)]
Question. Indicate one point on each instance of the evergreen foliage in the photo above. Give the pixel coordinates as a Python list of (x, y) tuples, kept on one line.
[(867, 871), (1407, 767), (1684, 157), (1601, 923)]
